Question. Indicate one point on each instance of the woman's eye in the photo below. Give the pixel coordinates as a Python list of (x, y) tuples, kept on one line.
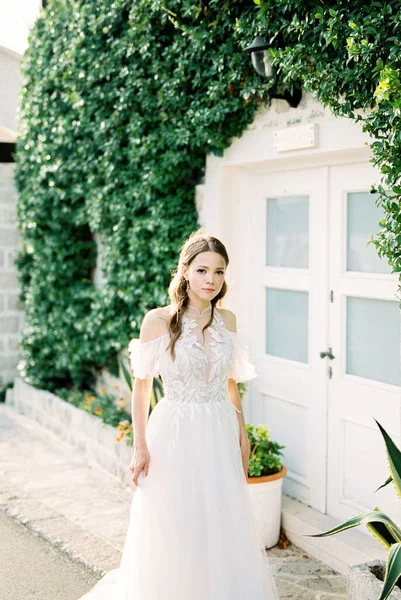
[(203, 270)]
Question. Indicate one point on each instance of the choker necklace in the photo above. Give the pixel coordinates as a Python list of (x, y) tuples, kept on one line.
[(193, 310)]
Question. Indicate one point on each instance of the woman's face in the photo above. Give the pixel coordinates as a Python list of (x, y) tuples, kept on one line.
[(206, 275)]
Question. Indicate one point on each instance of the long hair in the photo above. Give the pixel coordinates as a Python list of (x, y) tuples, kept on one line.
[(199, 241)]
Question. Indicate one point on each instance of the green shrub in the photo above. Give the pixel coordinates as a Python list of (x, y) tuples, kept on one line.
[(264, 457), (121, 103)]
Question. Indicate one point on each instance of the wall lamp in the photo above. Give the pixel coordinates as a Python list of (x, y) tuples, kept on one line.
[(259, 51)]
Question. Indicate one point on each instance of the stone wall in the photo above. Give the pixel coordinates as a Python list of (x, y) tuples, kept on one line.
[(87, 433), (11, 309)]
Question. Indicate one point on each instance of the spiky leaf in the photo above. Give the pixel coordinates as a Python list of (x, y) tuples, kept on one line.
[(389, 480), (127, 374), (394, 459), (374, 518), (393, 571), (381, 532)]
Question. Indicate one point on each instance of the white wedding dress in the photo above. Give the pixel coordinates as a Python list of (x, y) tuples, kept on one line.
[(192, 531)]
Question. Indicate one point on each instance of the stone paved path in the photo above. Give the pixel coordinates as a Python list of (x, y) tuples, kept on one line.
[(80, 508)]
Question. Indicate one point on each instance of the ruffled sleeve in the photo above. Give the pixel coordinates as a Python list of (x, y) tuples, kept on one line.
[(144, 357), (241, 369)]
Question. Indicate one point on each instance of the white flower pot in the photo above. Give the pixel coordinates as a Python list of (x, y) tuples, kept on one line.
[(266, 493)]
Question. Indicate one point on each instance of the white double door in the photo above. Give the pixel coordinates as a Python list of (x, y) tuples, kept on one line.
[(325, 333)]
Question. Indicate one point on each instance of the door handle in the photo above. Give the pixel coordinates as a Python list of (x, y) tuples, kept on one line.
[(329, 354)]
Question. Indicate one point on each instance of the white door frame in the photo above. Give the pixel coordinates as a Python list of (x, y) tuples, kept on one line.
[(238, 230)]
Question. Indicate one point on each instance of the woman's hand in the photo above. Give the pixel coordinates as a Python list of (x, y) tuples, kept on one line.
[(140, 460), (245, 451)]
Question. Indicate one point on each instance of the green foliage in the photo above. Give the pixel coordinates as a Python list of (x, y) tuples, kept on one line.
[(121, 103), (264, 453), (348, 54), (101, 404), (379, 524)]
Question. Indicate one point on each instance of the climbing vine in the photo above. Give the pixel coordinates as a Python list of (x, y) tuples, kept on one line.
[(121, 103), (348, 54)]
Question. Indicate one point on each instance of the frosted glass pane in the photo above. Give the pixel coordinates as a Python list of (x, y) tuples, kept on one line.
[(363, 218), (373, 339), (287, 324), (287, 232)]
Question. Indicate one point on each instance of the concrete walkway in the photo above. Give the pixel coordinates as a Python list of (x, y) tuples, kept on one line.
[(37, 570), (75, 505)]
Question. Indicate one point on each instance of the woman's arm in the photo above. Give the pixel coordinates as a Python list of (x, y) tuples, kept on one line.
[(142, 389), (140, 402), (230, 321), (236, 400), (243, 435)]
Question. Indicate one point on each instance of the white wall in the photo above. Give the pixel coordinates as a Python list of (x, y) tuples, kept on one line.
[(222, 209), (9, 88), (16, 19)]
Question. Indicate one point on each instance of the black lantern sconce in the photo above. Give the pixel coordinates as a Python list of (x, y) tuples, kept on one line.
[(259, 51)]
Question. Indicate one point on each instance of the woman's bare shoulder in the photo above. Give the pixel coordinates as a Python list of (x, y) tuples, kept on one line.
[(229, 318), (163, 312), (154, 323), (159, 312)]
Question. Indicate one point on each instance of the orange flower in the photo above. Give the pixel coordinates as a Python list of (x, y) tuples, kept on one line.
[(98, 411), (89, 398), (102, 390)]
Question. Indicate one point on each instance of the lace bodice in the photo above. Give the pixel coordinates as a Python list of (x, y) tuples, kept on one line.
[(203, 363)]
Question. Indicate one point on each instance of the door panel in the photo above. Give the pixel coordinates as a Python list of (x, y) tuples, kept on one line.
[(289, 310), (325, 333), (364, 332)]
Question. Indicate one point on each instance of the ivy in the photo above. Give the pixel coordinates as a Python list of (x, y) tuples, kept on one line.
[(121, 103), (348, 54)]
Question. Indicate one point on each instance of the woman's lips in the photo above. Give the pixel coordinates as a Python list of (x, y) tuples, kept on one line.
[(207, 290)]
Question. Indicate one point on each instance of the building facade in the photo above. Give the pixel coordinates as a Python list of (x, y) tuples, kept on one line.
[(320, 309)]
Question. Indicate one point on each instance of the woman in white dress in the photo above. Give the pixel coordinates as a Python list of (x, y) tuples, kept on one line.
[(192, 532)]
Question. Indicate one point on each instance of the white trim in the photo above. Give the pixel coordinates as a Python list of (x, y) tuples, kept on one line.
[(10, 52), (339, 551)]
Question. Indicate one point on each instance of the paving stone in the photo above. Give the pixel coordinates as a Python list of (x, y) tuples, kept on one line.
[(306, 567), (325, 584), (77, 506)]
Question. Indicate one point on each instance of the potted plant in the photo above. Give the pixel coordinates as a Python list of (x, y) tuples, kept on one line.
[(265, 479), (368, 576)]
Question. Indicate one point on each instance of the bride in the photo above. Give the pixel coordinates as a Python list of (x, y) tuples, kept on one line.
[(192, 532)]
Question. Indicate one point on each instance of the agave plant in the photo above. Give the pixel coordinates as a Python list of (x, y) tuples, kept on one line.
[(379, 524)]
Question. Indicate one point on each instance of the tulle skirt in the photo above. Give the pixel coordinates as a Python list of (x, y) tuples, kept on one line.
[(192, 532)]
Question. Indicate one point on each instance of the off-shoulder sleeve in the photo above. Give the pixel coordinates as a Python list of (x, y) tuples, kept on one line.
[(241, 369), (144, 357)]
